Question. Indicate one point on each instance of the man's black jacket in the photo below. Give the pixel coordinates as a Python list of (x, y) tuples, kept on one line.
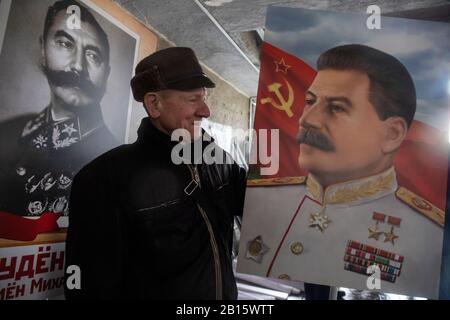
[(135, 232)]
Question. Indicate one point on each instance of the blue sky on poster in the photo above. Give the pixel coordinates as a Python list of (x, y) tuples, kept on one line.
[(424, 48)]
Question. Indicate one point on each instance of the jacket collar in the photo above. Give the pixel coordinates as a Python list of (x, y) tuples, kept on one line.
[(353, 192), (149, 134)]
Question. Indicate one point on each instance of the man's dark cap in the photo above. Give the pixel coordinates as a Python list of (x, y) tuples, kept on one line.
[(174, 68)]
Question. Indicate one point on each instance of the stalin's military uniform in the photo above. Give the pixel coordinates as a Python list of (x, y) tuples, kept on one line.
[(39, 158), (294, 229)]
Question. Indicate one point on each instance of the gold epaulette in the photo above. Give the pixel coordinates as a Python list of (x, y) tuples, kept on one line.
[(423, 206), (276, 181)]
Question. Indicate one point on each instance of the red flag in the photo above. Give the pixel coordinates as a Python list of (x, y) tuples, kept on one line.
[(422, 163), (283, 82)]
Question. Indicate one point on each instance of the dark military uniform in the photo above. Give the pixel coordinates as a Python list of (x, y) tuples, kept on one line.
[(39, 158)]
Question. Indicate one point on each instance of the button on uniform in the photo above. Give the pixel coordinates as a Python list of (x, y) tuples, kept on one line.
[(297, 248)]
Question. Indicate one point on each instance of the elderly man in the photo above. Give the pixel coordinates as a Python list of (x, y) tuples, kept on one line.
[(144, 227), (349, 213), (41, 153)]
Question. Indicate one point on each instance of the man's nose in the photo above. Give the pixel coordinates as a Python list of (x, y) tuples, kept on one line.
[(203, 110), (78, 61), (313, 116)]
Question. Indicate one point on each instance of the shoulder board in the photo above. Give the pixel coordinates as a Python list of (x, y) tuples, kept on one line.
[(421, 205), (275, 181)]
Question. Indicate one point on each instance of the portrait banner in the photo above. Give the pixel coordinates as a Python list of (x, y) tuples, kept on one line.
[(363, 117), (65, 99)]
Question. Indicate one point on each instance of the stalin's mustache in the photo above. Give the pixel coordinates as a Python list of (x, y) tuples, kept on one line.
[(315, 139)]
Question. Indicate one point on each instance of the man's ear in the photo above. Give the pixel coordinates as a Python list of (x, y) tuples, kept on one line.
[(105, 78), (42, 63), (108, 72), (152, 104), (395, 132)]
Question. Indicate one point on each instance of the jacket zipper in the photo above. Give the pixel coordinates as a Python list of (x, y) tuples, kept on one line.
[(215, 249)]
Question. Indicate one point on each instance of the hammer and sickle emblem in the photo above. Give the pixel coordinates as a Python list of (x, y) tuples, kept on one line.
[(284, 105)]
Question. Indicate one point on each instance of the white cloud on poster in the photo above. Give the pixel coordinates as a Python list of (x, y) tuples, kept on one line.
[(434, 112), (433, 69), (402, 44)]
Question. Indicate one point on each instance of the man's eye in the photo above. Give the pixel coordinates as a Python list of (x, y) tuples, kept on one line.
[(309, 102), (93, 56), (334, 108), (64, 43)]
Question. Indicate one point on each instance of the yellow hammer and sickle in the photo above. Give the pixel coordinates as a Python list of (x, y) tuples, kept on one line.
[(284, 105)]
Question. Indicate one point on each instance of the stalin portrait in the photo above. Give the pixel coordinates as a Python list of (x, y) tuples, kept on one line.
[(349, 212)]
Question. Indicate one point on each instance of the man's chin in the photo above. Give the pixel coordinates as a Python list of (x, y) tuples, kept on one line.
[(74, 103), (306, 149), (73, 98), (196, 135), (195, 132), (304, 162), (310, 158)]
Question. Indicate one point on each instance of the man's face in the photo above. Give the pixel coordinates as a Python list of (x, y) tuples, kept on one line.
[(75, 62), (340, 132), (182, 109)]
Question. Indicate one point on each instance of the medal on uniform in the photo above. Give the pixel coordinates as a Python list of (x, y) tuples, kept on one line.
[(319, 220), (359, 257), (374, 232), (390, 236), (256, 249)]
